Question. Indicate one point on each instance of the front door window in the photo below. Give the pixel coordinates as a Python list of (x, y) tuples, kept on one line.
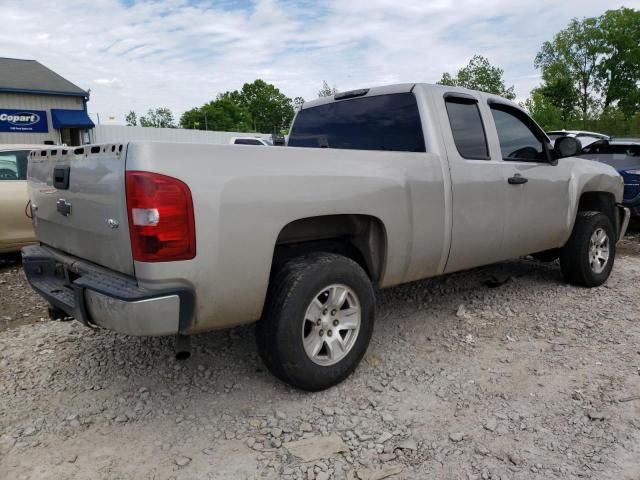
[(517, 141)]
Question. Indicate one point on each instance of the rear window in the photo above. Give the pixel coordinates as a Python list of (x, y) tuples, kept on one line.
[(13, 165), (384, 122)]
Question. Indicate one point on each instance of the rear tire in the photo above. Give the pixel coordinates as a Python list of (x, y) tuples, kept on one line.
[(587, 258), (317, 322)]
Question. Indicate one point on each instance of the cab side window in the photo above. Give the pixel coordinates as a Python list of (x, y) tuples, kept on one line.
[(13, 165), (518, 142), (467, 128)]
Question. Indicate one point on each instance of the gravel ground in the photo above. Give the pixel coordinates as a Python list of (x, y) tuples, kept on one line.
[(501, 372)]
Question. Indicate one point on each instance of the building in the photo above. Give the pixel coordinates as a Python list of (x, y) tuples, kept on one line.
[(39, 106)]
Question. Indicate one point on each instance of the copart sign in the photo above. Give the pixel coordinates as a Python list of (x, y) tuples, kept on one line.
[(23, 121)]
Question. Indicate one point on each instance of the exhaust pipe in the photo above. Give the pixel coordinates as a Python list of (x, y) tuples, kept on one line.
[(183, 347)]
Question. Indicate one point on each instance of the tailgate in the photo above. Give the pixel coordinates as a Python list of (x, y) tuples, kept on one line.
[(79, 203)]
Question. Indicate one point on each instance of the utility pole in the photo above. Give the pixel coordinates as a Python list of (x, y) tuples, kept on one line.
[(206, 127)]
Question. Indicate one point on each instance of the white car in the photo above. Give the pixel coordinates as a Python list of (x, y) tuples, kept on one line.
[(586, 138), (250, 141)]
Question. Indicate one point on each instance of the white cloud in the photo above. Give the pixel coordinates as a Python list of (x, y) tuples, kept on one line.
[(114, 82), (180, 53)]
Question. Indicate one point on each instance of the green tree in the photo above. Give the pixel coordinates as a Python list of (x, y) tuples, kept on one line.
[(592, 68), (327, 90), (131, 119), (159, 118), (479, 74), (543, 111), (447, 79), (270, 109), (222, 114), (257, 107), (618, 71), (558, 90), (575, 52)]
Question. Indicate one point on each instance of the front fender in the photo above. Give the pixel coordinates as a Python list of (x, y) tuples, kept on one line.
[(588, 176)]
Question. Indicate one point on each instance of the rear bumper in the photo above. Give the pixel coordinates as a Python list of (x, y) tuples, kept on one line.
[(99, 297)]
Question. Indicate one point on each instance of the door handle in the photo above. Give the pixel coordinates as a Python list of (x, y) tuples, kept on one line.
[(517, 179)]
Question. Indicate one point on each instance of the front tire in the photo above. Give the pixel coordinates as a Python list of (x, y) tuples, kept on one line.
[(317, 322), (587, 258)]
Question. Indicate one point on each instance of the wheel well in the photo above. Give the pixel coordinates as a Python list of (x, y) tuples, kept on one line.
[(359, 237), (599, 202)]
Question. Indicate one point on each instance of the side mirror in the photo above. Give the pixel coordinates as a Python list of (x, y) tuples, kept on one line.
[(567, 146)]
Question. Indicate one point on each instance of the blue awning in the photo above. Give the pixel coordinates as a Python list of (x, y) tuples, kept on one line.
[(70, 119)]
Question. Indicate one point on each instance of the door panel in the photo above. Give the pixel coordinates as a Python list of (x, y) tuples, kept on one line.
[(536, 210), (478, 207), (478, 183), (537, 197), (15, 226)]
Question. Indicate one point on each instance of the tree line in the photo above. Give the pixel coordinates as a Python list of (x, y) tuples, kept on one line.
[(590, 74), (257, 107)]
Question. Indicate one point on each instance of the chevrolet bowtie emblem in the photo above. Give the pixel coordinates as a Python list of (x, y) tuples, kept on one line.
[(63, 207)]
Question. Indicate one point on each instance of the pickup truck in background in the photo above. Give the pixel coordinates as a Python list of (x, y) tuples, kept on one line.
[(376, 187)]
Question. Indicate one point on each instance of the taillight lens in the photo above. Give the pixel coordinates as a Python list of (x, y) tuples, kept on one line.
[(161, 219)]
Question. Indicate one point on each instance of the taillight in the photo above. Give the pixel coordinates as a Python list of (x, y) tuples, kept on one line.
[(161, 220)]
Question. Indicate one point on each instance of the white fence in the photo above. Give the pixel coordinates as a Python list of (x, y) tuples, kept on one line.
[(121, 133)]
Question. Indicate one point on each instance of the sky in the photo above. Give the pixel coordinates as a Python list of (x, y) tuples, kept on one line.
[(136, 55)]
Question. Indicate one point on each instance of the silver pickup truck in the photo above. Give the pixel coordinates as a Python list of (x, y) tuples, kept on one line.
[(376, 187)]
